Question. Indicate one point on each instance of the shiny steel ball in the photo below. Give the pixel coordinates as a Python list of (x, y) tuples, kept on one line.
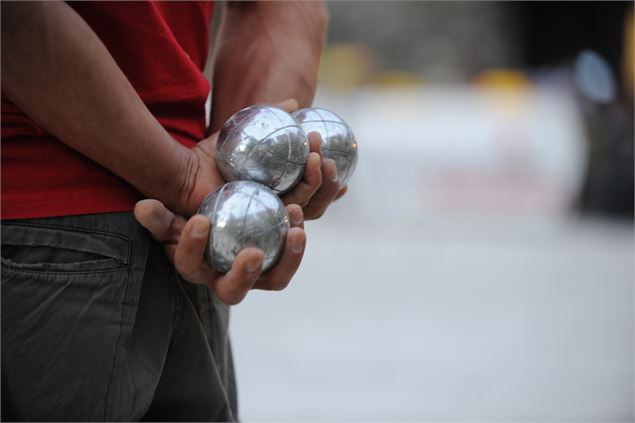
[(338, 140), (263, 144), (244, 214)]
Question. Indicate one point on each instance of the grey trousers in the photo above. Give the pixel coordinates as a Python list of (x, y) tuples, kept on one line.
[(98, 326)]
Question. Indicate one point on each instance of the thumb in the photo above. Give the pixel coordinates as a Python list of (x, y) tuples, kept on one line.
[(156, 218)]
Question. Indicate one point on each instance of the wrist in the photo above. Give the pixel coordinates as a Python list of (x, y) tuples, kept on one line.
[(197, 176), (182, 190)]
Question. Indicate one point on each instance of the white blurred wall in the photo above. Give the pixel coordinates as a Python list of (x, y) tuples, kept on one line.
[(453, 282)]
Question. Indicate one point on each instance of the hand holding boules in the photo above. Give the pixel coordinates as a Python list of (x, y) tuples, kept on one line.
[(244, 214), (337, 139), (265, 144), (185, 243), (333, 139)]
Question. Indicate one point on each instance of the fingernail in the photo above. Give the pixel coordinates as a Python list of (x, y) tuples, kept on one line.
[(253, 266), (334, 177), (296, 217), (199, 229), (162, 220), (297, 245)]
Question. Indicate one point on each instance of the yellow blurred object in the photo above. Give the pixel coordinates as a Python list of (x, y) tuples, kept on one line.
[(509, 91), (346, 66), (502, 79), (396, 79), (629, 48)]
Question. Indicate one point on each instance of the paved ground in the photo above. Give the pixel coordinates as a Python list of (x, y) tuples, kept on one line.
[(445, 321)]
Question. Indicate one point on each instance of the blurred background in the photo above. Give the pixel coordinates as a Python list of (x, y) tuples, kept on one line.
[(481, 266)]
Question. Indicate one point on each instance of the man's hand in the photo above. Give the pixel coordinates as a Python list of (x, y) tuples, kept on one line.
[(185, 243), (314, 193), (319, 187)]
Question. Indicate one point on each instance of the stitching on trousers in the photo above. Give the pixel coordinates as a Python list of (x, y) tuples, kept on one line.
[(177, 318), (213, 325), (69, 229), (117, 345)]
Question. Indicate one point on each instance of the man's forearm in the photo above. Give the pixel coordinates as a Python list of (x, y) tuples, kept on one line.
[(267, 52), (56, 70)]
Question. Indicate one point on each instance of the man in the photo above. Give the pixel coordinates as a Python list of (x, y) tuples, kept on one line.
[(103, 104)]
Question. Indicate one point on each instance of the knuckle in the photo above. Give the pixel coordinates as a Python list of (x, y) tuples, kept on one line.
[(312, 192), (190, 275), (279, 285), (233, 298), (188, 269), (187, 276), (333, 184), (235, 301), (179, 265), (313, 214)]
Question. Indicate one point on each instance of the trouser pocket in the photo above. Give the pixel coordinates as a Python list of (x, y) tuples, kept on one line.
[(58, 249), (68, 300)]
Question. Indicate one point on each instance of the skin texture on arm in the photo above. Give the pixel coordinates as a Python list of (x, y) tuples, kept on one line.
[(56, 70), (267, 52)]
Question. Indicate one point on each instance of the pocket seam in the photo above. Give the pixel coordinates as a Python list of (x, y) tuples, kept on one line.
[(59, 268), (15, 268), (114, 235)]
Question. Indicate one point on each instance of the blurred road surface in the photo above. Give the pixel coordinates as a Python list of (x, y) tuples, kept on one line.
[(454, 282), (445, 323)]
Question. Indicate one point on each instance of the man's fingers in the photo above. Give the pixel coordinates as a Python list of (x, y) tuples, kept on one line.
[(296, 215), (153, 216), (164, 225), (341, 193), (232, 287), (327, 192), (301, 194), (279, 276), (190, 263), (315, 142), (189, 254)]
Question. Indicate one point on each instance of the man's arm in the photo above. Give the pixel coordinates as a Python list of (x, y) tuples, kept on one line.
[(267, 52), (56, 69)]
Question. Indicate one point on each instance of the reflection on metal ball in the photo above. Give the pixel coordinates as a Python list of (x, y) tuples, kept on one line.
[(263, 144), (338, 141), (243, 214)]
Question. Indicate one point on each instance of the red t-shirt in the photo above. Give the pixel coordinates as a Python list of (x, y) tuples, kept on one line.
[(162, 48)]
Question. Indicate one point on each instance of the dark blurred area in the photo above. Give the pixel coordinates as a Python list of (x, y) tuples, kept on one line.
[(581, 45), (553, 35)]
